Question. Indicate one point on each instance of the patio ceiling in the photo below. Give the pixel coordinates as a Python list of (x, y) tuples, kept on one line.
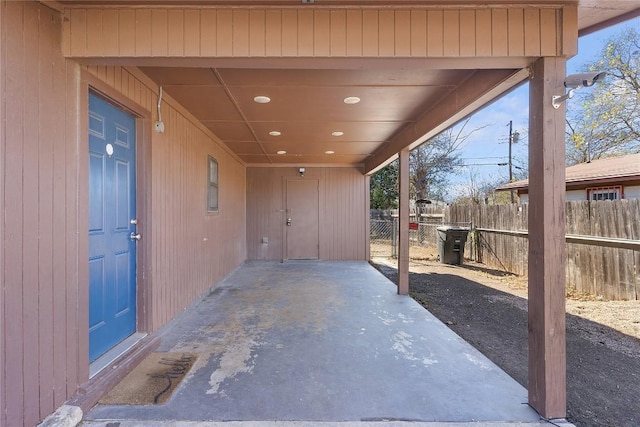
[(403, 101), (307, 108)]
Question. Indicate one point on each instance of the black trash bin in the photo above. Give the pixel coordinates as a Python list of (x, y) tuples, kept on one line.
[(451, 242)]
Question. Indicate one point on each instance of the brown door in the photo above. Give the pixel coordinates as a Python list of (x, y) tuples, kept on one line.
[(302, 219)]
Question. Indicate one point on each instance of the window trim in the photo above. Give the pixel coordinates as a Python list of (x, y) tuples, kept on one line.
[(213, 182), (616, 189)]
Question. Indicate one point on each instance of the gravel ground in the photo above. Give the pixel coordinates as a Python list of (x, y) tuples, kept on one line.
[(488, 308)]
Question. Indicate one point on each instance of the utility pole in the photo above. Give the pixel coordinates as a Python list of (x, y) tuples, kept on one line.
[(513, 139)]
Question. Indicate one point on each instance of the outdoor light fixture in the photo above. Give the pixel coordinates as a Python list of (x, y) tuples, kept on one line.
[(574, 82), (351, 100), (159, 124), (301, 171)]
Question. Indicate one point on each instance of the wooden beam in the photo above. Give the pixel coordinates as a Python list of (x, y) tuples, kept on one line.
[(403, 220), (547, 249), (469, 96)]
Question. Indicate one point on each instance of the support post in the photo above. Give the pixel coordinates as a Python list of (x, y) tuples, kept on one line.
[(403, 220), (547, 347)]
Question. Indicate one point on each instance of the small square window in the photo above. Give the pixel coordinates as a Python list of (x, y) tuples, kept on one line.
[(212, 185)]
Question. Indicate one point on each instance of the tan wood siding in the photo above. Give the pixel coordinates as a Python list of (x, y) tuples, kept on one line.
[(343, 212), (316, 32), (44, 342), (191, 249), (41, 217)]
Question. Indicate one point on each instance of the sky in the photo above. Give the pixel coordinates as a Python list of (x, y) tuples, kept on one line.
[(488, 146)]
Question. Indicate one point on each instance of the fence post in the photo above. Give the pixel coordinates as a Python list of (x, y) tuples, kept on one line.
[(394, 238)]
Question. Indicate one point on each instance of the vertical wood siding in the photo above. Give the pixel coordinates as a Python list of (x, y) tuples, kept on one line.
[(343, 212), (311, 32), (191, 249), (44, 342), (39, 204)]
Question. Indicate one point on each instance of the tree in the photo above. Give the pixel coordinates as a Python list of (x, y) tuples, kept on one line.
[(384, 187), (608, 122), (431, 162), (481, 190)]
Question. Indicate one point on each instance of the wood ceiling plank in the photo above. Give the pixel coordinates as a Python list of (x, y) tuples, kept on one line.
[(483, 29), (515, 32), (224, 32), (244, 148), (451, 33), (501, 44), (205, 102), (418, 33), (127, 31), (321, 131), (192, 32), (181, 76), (435, 33), (402, 36), (306, 32), (240, 32), (378, 103), (159, 32), (468, 32), (370, 30), (550, 20), (338, 35), (321, 33), (532, 32), (143, 32), (94, 30), (78, 32), (468, 97), (289, 32), (386, 33), (354, 32), (208, 32), (273, 34), (257, 36), (230, 131)]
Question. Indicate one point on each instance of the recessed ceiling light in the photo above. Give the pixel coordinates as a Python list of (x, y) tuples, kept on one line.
[(337, 133), (282, 152), (329, 152), (351, 100), (261, 99), (275, 133)]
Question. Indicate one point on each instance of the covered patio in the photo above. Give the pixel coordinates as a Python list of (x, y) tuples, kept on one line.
[(324, 342), (151, 148)]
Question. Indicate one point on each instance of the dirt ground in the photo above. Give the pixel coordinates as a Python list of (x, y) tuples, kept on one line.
[(488, 308)]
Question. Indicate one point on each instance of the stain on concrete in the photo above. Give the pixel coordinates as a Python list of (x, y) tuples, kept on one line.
[(260, 305), (479, 362)]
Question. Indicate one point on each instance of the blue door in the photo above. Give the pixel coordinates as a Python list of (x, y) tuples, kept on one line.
[(112, 226)]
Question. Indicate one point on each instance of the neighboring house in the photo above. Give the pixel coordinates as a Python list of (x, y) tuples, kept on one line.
[(612, 178), (142, 162)]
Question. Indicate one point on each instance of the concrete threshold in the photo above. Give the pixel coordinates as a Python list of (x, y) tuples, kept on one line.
[(381, 423)]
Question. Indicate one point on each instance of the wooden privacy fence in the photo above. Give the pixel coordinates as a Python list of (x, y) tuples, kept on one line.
[(603, 243)]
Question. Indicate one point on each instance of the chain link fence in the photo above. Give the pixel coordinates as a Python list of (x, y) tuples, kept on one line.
[(423, 237)]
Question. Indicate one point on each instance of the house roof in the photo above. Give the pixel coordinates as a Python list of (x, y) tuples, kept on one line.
[(612, 169)]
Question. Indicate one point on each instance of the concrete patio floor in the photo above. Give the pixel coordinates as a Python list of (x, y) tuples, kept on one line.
[(331, 343)]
